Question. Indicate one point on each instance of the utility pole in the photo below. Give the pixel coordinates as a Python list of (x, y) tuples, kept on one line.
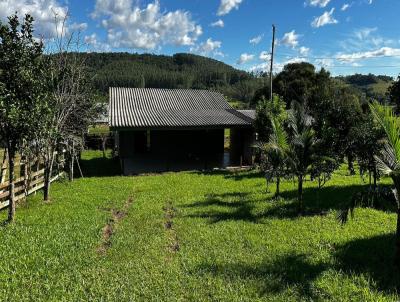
[(272, 59)]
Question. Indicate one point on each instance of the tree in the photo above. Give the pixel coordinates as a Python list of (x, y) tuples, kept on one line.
[(72, 107), (267, 110), (303, 146), (274, 153), (22, 90), (335, 117), (388, 163), (367, 138), (300, 82), (394, 94)]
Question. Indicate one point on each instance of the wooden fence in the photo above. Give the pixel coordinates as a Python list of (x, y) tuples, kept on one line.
[(25, 185)]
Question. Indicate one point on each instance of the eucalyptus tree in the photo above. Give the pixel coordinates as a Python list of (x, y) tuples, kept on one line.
[(22, 90)]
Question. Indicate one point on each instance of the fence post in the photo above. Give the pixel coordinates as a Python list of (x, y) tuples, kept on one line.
[(4, 164)]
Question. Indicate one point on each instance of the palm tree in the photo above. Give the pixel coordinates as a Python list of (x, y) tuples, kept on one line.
[(274, 153), (303, 146), (388, 162)]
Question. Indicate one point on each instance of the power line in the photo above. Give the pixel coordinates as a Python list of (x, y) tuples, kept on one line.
[(363, 66), (291, 56)]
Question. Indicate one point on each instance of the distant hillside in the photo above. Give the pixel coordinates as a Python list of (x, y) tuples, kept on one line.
[(191, 71), (373, 86), (177, 71)]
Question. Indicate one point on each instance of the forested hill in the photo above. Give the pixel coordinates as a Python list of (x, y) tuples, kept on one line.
[(373, 86), (191, 71), (177, 71)]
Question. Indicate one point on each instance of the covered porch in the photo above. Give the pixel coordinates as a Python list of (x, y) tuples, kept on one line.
[(155, 150)]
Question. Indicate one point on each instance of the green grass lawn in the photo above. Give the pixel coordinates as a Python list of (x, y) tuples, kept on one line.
[(194, 237), (99, 130)]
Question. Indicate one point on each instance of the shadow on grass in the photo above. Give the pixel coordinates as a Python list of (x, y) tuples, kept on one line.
[(100, 167), (241, 206), (371, 257), (286, 272), (239, 175), (240, 209)]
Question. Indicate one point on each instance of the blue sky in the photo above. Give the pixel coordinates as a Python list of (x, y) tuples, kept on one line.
[(344, 36)]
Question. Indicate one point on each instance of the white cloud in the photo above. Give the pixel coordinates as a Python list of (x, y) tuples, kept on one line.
[(324, 19), (208, 47), (324, 62), (218, 23), (382, 52), (366, 38), (226, 6), (94, 44), (256, 40), (345, 7), (304, 51), (43, 12), (130, 26), (290, 39), (364, 33), (294, 60), (265, 56), (278, 66), (79, 27), (263, 67), (244, 58), (320, 3)]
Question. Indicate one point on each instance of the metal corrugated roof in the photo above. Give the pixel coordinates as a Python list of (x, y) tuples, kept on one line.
[(171, 108), (249, 113)]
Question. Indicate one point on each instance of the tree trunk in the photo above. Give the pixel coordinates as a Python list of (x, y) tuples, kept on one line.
[(267, 183), (397, 251), (47, 183), (319, 189), (370, 178), (278, 181), (11, 166), (351, 165), (71, 168), (300, 193), (103, 145), (72, 158)]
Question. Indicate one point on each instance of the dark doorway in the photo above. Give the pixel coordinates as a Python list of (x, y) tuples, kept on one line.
[(140, 144)]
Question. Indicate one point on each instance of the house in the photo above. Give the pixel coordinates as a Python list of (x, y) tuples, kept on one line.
[(177, 129)]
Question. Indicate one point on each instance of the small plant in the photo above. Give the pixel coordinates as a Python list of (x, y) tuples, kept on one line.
[(274, 155)]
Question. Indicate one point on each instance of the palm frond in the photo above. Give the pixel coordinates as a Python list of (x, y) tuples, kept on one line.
[(387, 162), (390, 123), (279, 135)]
